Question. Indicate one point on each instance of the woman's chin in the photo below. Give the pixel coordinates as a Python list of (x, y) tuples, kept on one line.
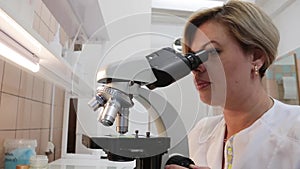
[(212, 102), (205, 99)]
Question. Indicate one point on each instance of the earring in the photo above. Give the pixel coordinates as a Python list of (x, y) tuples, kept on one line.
[(256, 71)]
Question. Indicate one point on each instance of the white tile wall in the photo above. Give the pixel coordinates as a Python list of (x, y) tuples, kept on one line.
[(1, 71), (11, 79), (36, 116), (46, 116), (8, 111), (47, 92), (38, 89), (25, 104), (26, 85), (24, 113)]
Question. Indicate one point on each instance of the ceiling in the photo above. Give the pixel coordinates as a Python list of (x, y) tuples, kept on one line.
[(183, 9), (172, 10), (177, 11)]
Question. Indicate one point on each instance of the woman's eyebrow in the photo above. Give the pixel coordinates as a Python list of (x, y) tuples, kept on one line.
[(206, 44), (210, 42)]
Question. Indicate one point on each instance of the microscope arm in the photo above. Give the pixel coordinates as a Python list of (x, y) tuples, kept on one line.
[(171, 131), (167, 121)]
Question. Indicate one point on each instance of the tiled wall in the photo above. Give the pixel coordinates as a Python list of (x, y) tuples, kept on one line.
[(274, 80), (275, 76), (25, 109), (45, 24)]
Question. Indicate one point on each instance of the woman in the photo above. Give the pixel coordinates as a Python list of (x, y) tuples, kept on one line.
[(255, 131)]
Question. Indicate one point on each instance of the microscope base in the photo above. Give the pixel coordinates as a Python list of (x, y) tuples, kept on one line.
[(147, 151)]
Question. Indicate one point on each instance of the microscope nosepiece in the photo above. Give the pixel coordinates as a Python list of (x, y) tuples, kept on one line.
[(109, 113)]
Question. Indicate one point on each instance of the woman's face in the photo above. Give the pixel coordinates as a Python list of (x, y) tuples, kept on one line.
[(225, 78)]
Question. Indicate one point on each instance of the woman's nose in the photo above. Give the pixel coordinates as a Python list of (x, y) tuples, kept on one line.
[(201, 68)]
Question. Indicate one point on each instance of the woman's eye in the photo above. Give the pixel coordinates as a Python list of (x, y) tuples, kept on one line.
[(213, 52)]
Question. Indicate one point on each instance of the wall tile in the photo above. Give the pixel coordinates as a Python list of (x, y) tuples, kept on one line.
[(38, 7), (45, 14), (47, 92), (272, 88), (286, 68), (11, 79), (1, 72), (36, 135), (36, 115), (4, 135), (298, 73), (44, 140), (46, 116), (59, 96), (57, 138), (51, 157), (63, 37), (50, 37), (53, 25), (22, 134), (38, 89), (26, 85), (58, 117), (24, 113), (278, 68), (8, 111), (293, 68), (36, 22), (57, 154), (44, 31)]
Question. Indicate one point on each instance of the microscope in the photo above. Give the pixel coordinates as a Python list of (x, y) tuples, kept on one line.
[(119, 83)]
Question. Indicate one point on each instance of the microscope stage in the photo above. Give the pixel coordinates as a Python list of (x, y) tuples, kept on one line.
[(129, 147)]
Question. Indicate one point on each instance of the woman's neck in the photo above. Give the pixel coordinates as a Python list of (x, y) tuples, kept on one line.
[(248, 112)]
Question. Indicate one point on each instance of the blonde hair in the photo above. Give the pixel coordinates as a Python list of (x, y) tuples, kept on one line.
[(246, 22)]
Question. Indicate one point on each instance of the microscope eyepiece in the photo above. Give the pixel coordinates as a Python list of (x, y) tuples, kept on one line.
[(196, 59), (169, 66)]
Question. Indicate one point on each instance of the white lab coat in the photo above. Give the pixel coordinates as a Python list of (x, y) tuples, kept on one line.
[(271, 142)]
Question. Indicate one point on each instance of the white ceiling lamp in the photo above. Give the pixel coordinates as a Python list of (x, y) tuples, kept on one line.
[(13, 50), (186, 5)]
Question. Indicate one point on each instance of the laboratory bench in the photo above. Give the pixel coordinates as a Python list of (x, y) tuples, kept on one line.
[(82, 163)]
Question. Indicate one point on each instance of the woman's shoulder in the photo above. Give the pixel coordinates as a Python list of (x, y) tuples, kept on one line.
[(285, 120), (207, 125), (286, 112), (286, 107)]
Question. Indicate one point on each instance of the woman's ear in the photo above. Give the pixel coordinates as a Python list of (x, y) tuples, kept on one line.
[(258, 58)]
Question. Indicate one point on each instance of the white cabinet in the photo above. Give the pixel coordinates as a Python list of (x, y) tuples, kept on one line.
[(56, 26)]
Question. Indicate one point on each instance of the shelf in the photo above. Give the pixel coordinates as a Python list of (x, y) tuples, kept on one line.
[(80, 19)]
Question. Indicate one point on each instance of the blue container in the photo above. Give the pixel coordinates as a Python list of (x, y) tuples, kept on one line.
[(18, 151)]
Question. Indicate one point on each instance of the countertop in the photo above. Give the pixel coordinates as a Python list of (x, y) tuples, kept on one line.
[(89, 163)]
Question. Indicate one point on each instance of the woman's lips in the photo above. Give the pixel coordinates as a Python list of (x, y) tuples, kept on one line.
[(200, 84)]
